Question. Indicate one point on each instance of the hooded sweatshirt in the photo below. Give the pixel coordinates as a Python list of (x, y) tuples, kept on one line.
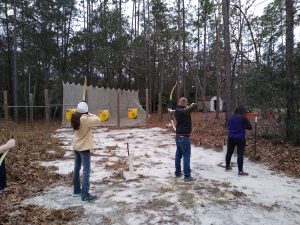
[(83, 139)]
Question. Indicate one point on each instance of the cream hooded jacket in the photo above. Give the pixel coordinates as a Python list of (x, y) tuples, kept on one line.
[(83, 139), (9, 144)]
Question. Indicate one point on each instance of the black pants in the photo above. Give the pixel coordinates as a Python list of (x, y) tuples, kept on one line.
[(240, 143), (2, 175)]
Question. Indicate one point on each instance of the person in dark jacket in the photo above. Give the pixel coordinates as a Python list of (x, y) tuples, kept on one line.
[(183, 131), (237, 124)]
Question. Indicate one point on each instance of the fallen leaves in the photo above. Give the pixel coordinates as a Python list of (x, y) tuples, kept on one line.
[(25, 177)]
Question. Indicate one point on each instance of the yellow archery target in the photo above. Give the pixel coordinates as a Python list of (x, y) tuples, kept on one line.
[(132, 113), (104, 115), (69, 113)]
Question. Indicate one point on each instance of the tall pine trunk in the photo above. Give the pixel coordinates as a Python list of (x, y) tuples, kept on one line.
[(289, 7), (14, 57), (178, 76), (227, 58)]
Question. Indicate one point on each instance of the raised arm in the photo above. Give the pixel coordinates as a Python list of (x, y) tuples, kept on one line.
[(91, 120), (9, 144), (247, 124), (191, 108)]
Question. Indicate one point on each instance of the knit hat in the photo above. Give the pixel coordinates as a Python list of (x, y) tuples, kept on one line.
[(82, 107)]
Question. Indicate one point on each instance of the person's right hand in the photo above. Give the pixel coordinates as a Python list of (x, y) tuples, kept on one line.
[(171, 110), (11, 143)]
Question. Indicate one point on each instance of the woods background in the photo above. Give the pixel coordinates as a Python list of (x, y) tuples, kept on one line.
[(211, 47)]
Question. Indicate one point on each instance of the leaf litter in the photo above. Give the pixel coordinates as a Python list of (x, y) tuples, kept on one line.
[(211, 194)]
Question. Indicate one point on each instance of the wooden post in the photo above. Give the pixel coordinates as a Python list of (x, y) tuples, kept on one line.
[(5, 105), (160, 106), (31, 108), (147, 106), (46, 106), (118, 109)]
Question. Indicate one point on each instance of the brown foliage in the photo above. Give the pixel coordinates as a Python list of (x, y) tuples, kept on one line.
[(26, 178)]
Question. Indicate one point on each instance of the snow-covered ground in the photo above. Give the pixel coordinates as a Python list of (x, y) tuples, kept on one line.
[(154, 196)]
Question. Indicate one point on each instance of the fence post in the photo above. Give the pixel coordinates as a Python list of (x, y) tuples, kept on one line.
[(46, 106), (5, 105), (255, 134), (118, 109), (31, 108), (147, 106)]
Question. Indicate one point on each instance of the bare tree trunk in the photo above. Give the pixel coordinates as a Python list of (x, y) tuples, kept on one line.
[(218, 60), (242, 78), (138, 19), (65, 43), (183, 51), (227, 59), (179, 78), (198, 44), (155, 69), (204, 67), (145, 45), (135, 12), (9, 52), (257, 53), (14, 56), (290, 131), (149, 54)]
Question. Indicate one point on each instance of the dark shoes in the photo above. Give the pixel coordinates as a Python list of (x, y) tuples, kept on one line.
[(188, 179), (178, 176), (90, 198), (228, 168), (241, 173), (77, 193)]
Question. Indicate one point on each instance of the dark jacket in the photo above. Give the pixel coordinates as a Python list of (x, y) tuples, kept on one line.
[(183, 119), (237, 125)]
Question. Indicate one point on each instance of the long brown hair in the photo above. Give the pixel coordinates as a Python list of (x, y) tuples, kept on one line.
[(75, 120), (240, 110)]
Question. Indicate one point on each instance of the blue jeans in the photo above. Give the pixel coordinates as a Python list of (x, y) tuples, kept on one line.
[(183, 150), (83, 157)]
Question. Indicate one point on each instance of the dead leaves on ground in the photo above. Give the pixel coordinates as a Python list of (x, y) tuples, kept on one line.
[(25, 176)]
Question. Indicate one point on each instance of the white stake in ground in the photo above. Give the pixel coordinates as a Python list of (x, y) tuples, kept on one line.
[(130, 162)]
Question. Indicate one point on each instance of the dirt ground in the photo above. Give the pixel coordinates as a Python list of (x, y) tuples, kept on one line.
[(26, 178)]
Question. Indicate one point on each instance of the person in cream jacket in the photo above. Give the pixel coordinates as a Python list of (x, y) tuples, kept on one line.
[(82, 122), (3, 148)]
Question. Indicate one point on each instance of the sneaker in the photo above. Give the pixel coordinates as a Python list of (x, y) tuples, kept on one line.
[(178, 176), (77, 194), (90, 198), (241, 173), (228, 168), (188, 179)]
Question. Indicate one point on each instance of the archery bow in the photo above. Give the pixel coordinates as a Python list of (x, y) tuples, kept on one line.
[(170, 106), (3, 156), (84, 89)]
